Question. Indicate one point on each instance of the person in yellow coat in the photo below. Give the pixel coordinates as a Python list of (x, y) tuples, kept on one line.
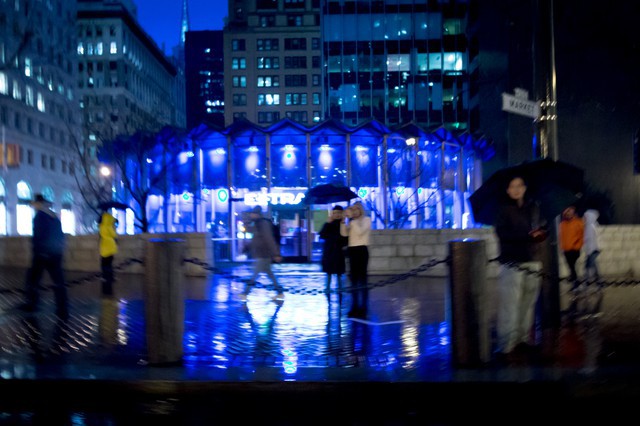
[(108, 249)]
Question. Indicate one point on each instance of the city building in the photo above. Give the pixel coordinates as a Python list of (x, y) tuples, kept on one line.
[(204, 70), (400, 62), (406, 177), (39, 115), (272, 61), (125, 82)]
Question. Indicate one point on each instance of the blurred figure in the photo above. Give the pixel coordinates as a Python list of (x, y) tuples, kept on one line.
[(333, 256), (591, 244), (48, 243), (521, 230), (571, 239), (356, 226), (264, 250), (108, 249)]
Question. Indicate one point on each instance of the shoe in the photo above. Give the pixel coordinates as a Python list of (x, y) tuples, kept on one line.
[(242, 297), (278, 297)]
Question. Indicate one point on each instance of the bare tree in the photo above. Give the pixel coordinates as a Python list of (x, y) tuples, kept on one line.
[(142, 164)]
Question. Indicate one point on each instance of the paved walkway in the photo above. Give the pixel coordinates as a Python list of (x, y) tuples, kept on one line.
[(299, 361)]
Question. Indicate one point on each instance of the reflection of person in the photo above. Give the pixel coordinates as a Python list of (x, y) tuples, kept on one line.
[(333, 259), (264, 251), (571, 239), (591, 245), (47, 244), (356, 226), (108, 249), (520, 231)]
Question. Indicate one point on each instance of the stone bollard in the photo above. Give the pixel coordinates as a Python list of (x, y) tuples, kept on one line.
[(470, 331), (164, 300)]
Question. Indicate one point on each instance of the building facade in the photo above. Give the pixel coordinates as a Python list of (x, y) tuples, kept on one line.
[(272, 61), (39, 115), (407, 178), (204, 69), (125, 82), (399, 62)]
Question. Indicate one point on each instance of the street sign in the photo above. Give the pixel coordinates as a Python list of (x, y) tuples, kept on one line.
[(520, 105)]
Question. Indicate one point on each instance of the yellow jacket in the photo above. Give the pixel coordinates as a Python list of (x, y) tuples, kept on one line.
[(107, 228)]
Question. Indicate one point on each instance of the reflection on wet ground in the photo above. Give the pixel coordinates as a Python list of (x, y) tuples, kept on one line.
[(304, 349)]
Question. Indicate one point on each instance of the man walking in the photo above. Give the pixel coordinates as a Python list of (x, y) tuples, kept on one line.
[(264, 250), (47, 244)]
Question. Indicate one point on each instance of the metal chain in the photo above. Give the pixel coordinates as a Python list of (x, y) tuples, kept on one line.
[(314, 291)]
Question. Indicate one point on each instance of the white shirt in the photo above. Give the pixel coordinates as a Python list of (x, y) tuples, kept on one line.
[(358, 230)]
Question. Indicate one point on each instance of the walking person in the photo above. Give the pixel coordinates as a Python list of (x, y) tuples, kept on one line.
[(333, 256), (520, 230), (591, 244), (108, 249), (47, 243), (571, 239), (356, 226), (264, 251)]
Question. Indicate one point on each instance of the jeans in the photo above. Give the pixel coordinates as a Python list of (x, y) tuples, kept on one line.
[(517, 296), (106, 264), (263, 265), (53, 265)]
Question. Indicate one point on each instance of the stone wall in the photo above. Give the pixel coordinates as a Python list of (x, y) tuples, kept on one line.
[(391, 251), (398, 251), (82, 252)]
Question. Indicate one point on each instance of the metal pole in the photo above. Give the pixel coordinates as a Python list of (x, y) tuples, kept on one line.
[(164, 300), (470, 331)]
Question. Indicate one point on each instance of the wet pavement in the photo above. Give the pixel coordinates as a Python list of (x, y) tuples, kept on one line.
[(299, 361)]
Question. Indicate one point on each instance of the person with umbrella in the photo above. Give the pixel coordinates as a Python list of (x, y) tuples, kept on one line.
[(521, 229), (333, 257), (108, 249)]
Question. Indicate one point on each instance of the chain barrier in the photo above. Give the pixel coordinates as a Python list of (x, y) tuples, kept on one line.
[(314, 291), (94, 276)]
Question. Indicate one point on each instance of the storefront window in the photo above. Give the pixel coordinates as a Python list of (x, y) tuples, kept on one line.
[(289, 161), (328, 160)]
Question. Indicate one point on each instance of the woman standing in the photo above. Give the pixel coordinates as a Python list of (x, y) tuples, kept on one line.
[(357, 228)]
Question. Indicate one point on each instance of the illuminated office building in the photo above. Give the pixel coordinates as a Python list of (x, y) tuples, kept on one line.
[(39, 117), (405, 176)]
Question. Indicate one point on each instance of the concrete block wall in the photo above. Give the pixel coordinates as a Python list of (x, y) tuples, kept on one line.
[(82, 253), (398, 251), (391, 251)]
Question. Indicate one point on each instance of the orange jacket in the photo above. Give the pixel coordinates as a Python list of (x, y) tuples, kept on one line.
[(571, 234)]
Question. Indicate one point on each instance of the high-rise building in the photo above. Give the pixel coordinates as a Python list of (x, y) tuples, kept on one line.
[(204, 70), (399, 62), (273, 61), (125, 81), (39, 118)]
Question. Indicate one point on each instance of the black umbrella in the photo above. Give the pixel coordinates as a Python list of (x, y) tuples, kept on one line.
[(106, 205), (555, 184), (328, 193)]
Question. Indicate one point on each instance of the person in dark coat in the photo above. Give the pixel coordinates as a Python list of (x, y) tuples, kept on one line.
[(521, 229), (264, 251), (333, 254), (47, 244)]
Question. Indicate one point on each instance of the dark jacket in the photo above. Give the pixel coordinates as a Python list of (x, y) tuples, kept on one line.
[(48, 238), (513, 225), (263, 244), (333, 258)]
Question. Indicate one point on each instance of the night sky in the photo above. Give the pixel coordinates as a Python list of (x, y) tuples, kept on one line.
[(161, 18)]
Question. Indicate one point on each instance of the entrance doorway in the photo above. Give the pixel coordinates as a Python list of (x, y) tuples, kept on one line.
[(293, 233)]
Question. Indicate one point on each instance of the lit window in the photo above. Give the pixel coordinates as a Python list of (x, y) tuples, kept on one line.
[(80, 49), (113, 48)]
